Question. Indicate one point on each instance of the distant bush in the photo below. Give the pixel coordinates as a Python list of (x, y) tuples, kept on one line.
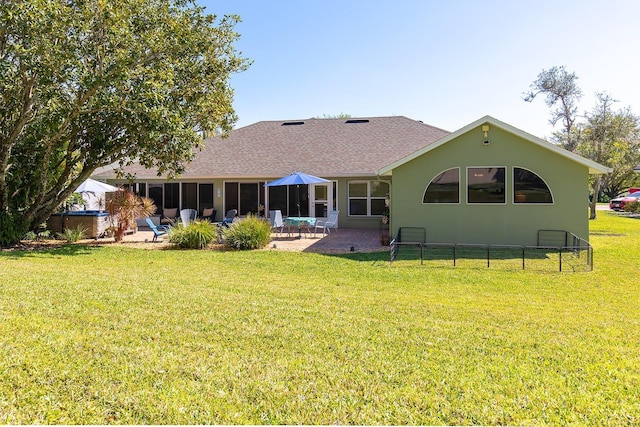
[(197, 235), (633, 207), (248, 233), (72, 235), (37, 235)]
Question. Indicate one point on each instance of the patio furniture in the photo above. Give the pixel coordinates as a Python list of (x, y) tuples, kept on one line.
[(169, 216), (158, 230), (188, 215), (229, 217), (300, 221), (277, 223), (328, 224), (209, 214)]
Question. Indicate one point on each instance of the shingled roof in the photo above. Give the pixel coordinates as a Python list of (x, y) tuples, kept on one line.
[(322, 147)]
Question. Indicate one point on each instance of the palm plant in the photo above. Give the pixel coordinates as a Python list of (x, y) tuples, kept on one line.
[(124, 208)]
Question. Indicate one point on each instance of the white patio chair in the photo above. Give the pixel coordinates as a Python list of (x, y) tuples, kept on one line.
[(328, 224), (188, 215), (277, 223)]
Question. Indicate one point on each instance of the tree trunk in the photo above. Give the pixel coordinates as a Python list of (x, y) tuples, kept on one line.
[(594, 200)]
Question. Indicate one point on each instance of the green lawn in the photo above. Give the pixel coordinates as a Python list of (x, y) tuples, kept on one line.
[(131, 336)]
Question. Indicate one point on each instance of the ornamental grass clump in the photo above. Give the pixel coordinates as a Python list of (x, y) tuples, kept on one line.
[(248, 233), (197, 235), (72, 235)]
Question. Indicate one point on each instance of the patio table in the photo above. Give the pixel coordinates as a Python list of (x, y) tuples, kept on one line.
[(300, 221)]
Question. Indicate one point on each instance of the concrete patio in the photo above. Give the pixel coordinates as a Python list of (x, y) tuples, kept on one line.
[(338, 241)]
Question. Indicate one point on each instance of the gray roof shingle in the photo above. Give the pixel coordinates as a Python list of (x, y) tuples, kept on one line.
[(322, 147)]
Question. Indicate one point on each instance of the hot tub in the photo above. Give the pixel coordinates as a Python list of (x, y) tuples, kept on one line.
[(95, 222)]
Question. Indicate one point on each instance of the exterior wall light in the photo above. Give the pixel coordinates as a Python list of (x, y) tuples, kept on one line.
[(485, 131)]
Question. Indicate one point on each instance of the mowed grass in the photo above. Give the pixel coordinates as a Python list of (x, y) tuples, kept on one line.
[(116, 335)]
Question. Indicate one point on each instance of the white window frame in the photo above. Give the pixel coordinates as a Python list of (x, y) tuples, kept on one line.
[(459, 169), (506, 186), (368, 197), (513, 188)]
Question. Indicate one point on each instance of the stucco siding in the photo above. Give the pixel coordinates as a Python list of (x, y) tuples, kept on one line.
[(507, 223)]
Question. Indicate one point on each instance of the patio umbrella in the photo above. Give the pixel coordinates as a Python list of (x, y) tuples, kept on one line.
[(297, 178), (93, 186)]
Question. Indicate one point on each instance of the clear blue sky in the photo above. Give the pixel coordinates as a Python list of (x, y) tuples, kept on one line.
[(446, 62)]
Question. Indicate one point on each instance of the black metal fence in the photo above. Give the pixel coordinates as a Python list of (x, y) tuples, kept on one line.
[(557, 250)]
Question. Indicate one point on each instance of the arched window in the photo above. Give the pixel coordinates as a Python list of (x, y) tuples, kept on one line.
[(444, 188), (529, 187)]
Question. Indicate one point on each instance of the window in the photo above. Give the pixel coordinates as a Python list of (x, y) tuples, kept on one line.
[(231, 196), (444, 188), (367, 198), (278, 199), (528, 187), (205, 193), (189, 195), (486, 185), (138, 188), (321, 198), (155, 194), (171, 195), (249, 198), (298, 200), (244, 196)]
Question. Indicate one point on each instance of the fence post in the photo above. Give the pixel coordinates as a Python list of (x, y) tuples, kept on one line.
[(560, 259)]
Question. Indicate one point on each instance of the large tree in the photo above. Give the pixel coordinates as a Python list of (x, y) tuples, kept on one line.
[(561, 93), (606, 136), (612, 138), (89, 83)]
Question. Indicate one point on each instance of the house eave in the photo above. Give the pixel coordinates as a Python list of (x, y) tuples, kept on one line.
[(594, 168)]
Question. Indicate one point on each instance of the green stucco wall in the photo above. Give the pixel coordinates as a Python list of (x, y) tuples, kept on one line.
[(515, 224)]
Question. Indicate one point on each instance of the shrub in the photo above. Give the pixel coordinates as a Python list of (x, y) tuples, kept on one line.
[(124, 207), (196, 235), (633, 207), (72, 235), (37, 235), (604, 198), (248, 233)]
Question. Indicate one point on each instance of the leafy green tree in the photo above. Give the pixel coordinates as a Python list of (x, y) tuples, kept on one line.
[(563, 94), (606, 136), (90, 83), (612, 138)]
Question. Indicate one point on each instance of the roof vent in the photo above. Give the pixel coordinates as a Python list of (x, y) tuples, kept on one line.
[(292, 123), (357, 121)]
